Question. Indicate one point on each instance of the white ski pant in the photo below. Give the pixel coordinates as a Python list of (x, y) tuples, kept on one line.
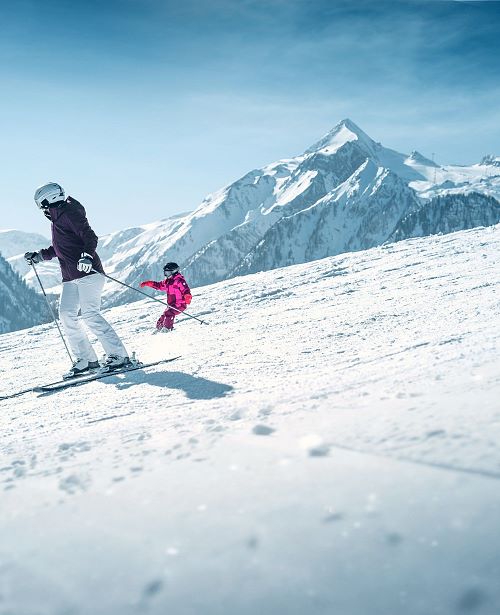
[(85, 294)]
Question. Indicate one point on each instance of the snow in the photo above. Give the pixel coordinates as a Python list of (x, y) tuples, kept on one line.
[(456, 179), (291, 192), (336, 138), (329, 444)]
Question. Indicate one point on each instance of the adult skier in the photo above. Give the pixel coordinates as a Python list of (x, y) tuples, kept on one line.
[(178, 295), (74, 244)]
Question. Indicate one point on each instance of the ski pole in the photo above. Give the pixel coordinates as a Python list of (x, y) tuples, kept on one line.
[(52, 312), (203, 322)]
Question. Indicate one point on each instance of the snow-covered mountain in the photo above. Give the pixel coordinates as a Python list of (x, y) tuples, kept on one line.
[(360, 213), (13, 245), (448, 213), (483, 178), (20, 306), (328, 445), (345, 192)]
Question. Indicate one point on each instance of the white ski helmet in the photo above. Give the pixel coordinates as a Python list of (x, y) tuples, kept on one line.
[(48, 195)]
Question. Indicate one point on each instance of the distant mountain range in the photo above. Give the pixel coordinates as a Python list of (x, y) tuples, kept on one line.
[(20, 305), (13, 245), (346, 192)]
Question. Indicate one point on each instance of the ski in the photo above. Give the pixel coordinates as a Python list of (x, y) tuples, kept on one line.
[(16, 394), (78, 380), (59, 385)]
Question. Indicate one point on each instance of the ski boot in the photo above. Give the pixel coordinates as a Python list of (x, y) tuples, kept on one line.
[(114, 361), (81, 367), (162, 330)]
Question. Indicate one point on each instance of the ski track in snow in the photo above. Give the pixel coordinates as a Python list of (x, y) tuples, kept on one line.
[(308, 377)]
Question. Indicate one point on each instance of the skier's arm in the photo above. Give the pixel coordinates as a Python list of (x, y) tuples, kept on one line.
[(48, 253), (32, 258), (81, 227), (183, 291), (156, 285), (188, 297)]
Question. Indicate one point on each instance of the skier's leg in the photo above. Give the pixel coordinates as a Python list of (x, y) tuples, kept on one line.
[(168, 319), (69, 305), (90, 290), (159, 322)]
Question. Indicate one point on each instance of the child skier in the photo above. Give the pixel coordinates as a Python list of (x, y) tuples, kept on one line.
[(178, 295)]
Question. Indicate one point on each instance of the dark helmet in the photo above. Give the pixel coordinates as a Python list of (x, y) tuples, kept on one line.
[(170, 268)]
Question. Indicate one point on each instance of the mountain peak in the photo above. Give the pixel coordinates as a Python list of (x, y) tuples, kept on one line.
[(418, 158), (350, 125), (339, 135)]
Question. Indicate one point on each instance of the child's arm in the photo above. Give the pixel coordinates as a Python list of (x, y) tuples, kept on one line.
[(182, 291), (156, 285)]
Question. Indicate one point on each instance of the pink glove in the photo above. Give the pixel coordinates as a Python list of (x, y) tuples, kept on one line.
[(147, 283)]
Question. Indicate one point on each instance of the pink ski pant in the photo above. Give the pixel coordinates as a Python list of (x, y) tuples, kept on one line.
[(166, 320)]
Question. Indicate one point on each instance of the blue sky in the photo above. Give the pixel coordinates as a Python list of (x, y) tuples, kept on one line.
[(142, 107)]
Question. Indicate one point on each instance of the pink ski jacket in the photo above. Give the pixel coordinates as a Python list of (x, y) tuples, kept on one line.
[(177, 289)]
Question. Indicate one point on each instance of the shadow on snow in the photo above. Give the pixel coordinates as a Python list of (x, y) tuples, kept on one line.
[(195, 387)]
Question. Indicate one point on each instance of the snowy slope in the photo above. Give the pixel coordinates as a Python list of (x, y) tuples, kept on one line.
[(328, 445)]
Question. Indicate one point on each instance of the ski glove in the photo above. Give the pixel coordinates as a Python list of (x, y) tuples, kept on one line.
[(147, 283), (85, 263), (33, 257)]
